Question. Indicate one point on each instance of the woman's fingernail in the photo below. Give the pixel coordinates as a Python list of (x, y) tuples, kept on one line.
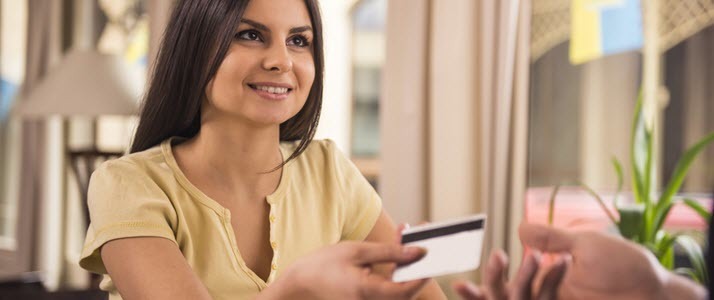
[(413, 251)]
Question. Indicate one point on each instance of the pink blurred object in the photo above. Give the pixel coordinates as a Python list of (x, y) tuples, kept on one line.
[(578, 210)]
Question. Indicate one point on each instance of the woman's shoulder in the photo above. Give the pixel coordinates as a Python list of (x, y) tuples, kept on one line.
[(323, 146), (136, 164), (320, 158), (317, 150)]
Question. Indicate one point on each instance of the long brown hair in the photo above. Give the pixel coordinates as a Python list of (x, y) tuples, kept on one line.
[(194, 45)]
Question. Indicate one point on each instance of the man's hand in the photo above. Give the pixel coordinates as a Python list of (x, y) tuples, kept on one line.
[(607, 267), (496, 287)]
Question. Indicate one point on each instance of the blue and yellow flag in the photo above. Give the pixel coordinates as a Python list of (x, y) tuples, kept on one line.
[(602, 27)]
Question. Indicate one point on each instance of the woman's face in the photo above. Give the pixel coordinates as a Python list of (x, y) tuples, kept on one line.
[(268, 71)]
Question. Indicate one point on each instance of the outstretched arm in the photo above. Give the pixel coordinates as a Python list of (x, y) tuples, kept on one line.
[(605, 266)]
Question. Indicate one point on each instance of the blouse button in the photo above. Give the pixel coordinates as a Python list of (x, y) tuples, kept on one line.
[(273, 244), (272, 218), (274, 266)]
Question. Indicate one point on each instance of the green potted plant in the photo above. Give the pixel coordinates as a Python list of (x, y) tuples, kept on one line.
[(642, 221)]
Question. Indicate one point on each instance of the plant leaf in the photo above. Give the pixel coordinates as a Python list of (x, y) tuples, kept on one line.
[(696, 258), (677, 178), (636, 150), (649, 215), (618, 170), (660, 218), (664, 242), (631, 220), (667, 258), (551, 204), (647, 184), (599, 201), (687, 272), (703, 212)]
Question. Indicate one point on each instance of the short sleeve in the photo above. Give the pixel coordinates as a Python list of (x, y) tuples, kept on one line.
[(124, 201), (361, 204)]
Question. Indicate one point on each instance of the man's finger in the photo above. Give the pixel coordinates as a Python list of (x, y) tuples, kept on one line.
[(545, 238), (551, 281), (373, 253), (468, 291), (495, 276), (523, 282)]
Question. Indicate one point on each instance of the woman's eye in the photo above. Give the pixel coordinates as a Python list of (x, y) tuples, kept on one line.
[(248, 35), (299, 41)]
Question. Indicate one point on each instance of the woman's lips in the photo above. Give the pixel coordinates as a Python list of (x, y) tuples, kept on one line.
[(271, 91)]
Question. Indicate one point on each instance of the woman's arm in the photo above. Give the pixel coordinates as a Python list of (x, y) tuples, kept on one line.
[(154, 268), (151, 268), (384, 232)]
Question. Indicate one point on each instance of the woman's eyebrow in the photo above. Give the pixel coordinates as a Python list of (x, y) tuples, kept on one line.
[(300, 29), (255, 24), (262, 27)]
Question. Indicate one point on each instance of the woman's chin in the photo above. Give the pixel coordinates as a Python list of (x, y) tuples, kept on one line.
[(269, 120)]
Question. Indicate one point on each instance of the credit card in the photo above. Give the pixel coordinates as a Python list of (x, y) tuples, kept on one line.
[(452, 246)]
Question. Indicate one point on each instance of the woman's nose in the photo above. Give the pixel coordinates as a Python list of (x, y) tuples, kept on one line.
[(278, 59)]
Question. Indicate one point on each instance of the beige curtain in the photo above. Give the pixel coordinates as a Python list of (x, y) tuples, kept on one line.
[(42, 178), (454, 114), (502, 94), (403, 179)]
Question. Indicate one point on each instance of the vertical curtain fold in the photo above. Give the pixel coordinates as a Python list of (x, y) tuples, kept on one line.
[(405, 68), (503, 63), (48, 228), (520, 112), (39, 16), (43, 49)]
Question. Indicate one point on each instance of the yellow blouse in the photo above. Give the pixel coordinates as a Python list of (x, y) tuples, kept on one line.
[(321, 199)]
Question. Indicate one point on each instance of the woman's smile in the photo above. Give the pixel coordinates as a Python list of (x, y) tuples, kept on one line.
[(271, 90)]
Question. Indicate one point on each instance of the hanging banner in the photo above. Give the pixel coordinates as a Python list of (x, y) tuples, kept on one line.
[(603, 27)]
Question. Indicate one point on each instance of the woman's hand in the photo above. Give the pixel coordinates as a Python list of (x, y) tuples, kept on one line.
[(496, 287), (343, 271)]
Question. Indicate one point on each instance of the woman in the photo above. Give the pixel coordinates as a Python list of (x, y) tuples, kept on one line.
[(225, 194)]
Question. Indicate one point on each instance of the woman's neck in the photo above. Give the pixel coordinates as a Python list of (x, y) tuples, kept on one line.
[(236, 157), (237, 149)]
